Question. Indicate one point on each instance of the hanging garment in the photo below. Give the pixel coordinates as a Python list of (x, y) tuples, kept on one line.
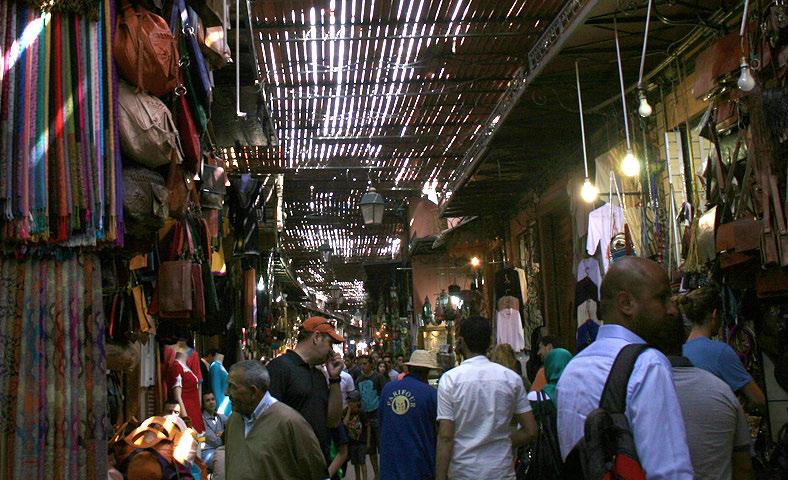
[(148, 362), (603, 223), (523, 285), (586, 334), (507, 282), (509, 328), (586, 289), (180, 375), (219, 388), (587, 311), (589, 267)]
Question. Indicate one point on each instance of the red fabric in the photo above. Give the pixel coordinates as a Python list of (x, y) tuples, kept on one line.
[(190, 392), (625, 468)]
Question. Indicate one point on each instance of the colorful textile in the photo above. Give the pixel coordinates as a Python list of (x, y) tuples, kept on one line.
[(53, 387), (59, 149)]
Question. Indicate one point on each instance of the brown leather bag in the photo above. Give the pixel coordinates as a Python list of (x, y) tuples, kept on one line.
[(180, 289), (145, 50)]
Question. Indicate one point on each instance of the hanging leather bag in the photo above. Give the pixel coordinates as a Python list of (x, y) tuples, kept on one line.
[(190, 137), (145, 201), (145, 50), (147, 132), (180, 284)]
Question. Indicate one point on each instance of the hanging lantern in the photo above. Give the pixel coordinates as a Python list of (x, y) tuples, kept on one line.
[(336, 292), (372, 207), (325, 252)]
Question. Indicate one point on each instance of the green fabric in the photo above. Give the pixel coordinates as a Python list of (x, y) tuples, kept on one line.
[(554, 365)]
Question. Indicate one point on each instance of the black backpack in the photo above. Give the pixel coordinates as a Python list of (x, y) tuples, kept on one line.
[(607, 450)]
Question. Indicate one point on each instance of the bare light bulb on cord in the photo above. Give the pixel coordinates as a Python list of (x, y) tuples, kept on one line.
[(644, 109), (630, 166), (589, 192), (746, 81)]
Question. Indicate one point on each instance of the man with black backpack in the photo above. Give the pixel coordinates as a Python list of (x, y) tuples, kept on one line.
[(618, 413)]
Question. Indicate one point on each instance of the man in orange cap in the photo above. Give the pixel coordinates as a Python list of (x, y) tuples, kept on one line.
[(297, 381)]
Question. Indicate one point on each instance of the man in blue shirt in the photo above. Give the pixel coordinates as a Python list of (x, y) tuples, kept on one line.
[(637, 308), (408, 412)]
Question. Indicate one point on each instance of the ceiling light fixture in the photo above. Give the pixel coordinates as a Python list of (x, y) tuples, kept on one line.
[(644, 109), (589, 192), (630, 166), (372, 207), (746, 81), (325, 252)]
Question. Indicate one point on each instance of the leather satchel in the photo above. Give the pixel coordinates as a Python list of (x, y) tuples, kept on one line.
[(145, 50), (147, 132)]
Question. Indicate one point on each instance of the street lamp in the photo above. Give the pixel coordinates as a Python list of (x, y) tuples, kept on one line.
[(325, 252), (372, 206)]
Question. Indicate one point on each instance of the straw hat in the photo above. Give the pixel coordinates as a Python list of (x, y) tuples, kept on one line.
[(422, 358)]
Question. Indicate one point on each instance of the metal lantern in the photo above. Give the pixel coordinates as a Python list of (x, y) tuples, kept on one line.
[(336, 292), (372, 206), (325, 252)]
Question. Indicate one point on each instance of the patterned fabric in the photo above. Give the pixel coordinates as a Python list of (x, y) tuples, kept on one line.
[(59, 149), (53, 387)]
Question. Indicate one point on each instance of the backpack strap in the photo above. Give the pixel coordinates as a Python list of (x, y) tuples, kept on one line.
[(614, 396)]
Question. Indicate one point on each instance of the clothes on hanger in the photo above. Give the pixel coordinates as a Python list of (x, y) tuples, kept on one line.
[(523, 285), (586, 334), (509, 328), (507, 282), (586, 289), (603, 224), (589, 267), (587, 311)]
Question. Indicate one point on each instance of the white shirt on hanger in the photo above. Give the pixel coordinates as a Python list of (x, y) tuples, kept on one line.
[(601, 230), (509, 328)]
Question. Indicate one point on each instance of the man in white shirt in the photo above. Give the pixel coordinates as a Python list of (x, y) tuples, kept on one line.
[(477, 402), (636, 308)]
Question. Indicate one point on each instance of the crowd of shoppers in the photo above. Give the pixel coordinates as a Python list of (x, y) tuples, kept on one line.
[(311, 414)]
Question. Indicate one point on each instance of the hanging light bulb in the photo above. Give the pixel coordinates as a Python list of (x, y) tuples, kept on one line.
[(746, 81), (589, 192), (630, 166), (644, 109)]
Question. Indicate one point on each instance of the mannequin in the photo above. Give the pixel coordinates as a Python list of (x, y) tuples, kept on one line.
[(192, 358), (182, 385), (219, 385)]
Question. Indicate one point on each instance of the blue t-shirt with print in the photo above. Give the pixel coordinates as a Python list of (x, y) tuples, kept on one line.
[(719, 359), (370, 387), (408, 412)]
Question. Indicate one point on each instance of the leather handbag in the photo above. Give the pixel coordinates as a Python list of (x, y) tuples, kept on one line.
[(145, 50), (190, 137), (145, 200), (147, 132), (180, 284)]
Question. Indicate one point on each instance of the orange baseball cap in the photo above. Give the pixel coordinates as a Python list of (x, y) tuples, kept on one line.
[(321, 325)]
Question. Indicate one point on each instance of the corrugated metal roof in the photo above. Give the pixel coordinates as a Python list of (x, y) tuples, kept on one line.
[(388, 93)]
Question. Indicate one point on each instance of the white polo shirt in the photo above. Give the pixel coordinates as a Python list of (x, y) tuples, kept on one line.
[(482, 398)]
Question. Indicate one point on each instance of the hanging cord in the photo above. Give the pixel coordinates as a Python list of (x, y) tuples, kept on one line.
[(621, 83), (645, 43), (582, 123)]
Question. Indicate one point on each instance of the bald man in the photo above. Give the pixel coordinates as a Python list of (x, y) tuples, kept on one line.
[(636, 308)]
